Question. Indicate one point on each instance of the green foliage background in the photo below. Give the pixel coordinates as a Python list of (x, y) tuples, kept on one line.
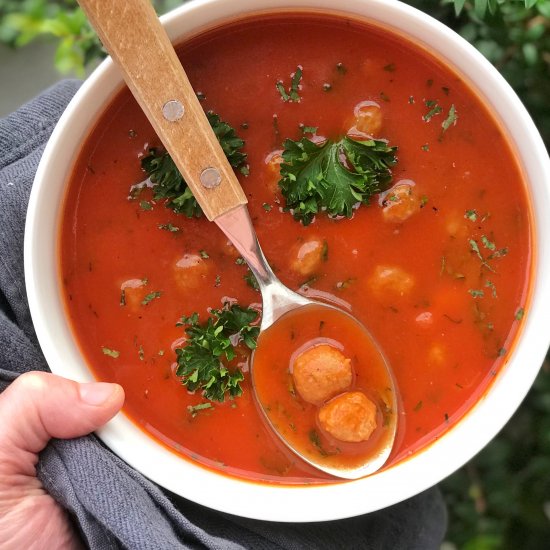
[(501, 498)]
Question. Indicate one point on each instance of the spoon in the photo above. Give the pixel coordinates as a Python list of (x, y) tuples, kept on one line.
[(139, 45)]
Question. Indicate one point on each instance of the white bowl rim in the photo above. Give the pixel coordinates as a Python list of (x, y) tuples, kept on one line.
[(273, 502)]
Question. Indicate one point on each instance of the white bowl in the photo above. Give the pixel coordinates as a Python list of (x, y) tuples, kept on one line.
[(272, 502)]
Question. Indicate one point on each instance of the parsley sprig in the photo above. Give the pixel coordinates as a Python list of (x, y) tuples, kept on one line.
[(168, 182), (333, 176), (210, 347)]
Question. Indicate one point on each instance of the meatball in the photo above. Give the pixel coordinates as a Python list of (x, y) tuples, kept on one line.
[(132, 293), (349, 417), (273, 162), (191, 270), (457, 225), (368, 119), (320, 373), (437, 355), (308, 256), (400, 202), (390, 281)]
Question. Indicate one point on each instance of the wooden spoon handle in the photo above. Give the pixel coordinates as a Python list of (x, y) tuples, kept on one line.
[(137, 42)]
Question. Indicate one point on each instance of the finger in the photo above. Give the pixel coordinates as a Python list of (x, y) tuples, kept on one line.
[(38, 406)]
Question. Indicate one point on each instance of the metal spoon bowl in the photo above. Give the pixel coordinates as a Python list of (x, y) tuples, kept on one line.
[(135, 39)]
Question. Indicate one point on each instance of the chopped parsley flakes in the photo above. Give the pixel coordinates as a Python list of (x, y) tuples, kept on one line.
[(471, 215), (169, 227), (451, 119), (110, 352), (291, 95), (150, 297), (519, 314), (193, 410), (434, 109)]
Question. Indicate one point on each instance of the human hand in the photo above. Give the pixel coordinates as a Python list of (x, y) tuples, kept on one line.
[(33, 409)]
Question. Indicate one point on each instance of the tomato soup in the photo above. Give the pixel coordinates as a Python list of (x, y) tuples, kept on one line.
[(436, 265)]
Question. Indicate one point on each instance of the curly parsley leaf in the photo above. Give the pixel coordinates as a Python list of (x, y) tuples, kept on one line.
[(203, 360), (229, 140), (333, 176), (168, 183)]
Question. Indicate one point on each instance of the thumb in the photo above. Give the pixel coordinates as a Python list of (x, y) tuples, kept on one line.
[(38, 406)]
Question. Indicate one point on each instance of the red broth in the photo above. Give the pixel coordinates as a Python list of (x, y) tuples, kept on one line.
[(442, 291)]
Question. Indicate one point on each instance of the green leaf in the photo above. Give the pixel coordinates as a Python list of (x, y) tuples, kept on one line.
[(434, 109), (459, 5), (491, 285), (480, 8), (530, 53), (451, 119), (150, 297), (487, 243), (68, 57), (193, 410), (519, 314), (333, 176), (471, 215), (110, 352), (238, 322), (469, 32), (251, 281), (292, 94), (169, 184), (282, 91), (169, 227), (484, 541), (544, 8), (316, 442), (202, 361), (229, 140), (490, 49), (535, 32), (476, 293), (32, 20)]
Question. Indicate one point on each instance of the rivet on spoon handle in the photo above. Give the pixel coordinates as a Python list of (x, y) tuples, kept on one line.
[(137, 42)]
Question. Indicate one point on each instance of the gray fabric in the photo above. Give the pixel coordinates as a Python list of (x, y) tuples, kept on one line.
[(112, 505)]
